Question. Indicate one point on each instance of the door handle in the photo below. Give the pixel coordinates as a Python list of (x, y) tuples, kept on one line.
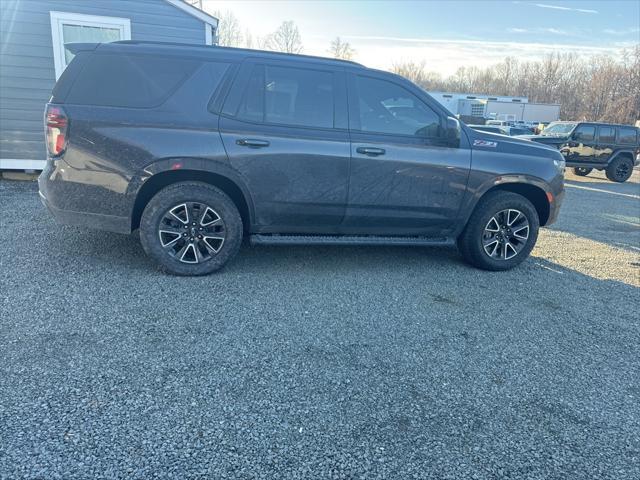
[(252, 142), (371, 151)]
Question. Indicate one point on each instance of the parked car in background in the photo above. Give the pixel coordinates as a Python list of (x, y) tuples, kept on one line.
[(594, 145), (502, 129), (490, 128), (198, 147)]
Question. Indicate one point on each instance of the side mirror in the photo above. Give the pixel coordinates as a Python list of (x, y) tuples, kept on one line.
[(452, 132)]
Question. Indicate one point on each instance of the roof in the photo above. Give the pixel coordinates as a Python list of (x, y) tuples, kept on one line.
[(225, 51), (193, 11)]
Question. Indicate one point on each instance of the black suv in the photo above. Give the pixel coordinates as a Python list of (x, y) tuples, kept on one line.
[(198, 147), (588, 145)]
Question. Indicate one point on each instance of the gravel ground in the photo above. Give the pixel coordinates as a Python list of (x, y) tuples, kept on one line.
[(320, 362)]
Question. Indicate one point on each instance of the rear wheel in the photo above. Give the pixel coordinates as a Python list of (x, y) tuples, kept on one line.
[(501, 232), (191, 228), (582, 171), (620, 169)]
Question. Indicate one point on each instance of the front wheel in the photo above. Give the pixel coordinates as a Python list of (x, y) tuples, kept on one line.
[(191, 228), (620, 169), (582, 171), (501, 232)]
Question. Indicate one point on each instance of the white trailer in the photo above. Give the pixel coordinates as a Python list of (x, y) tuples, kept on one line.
[(525, 112)]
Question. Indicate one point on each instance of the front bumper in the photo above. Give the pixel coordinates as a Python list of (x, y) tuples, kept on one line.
[(554, 208)]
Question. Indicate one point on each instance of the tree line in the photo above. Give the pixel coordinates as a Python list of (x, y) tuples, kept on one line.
[(594, 88), (286, 38)]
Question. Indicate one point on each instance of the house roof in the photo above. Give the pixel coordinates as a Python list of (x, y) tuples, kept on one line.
[(195, 12)]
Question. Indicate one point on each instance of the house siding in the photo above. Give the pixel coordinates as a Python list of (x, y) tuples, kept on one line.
[(27, 72)]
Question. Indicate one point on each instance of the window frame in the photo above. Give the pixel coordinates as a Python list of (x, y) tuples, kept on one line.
[(59, 19), (354, 110), (619, 136), (575, 130), (239, 90), (615, 134)]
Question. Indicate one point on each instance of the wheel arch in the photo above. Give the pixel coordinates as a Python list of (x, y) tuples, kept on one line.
[(163, 178), (621, 153), (533, 190), (536, 195)]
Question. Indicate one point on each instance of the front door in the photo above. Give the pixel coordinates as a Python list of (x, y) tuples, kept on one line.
[(581, 146), (288, 139), (405, 178)]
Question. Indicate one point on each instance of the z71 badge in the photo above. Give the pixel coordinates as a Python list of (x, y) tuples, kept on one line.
[(485, 143)]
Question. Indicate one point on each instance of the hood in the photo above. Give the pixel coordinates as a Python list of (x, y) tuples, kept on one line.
[(547, 139), (512, 145)]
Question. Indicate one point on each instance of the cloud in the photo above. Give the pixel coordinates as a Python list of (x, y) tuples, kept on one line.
[(446, 56), (568, 9), (627, 31), (556, 31), (553, 31)]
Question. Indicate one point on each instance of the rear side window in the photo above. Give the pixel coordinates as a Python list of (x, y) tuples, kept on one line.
[(389, 108), (584, 133), (627, 135), (607, 134), (129, 80), (289, 96)]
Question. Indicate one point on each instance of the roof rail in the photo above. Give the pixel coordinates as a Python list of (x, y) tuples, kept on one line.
[(248, 51)]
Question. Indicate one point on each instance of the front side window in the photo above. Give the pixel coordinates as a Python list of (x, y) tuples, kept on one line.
[(584, 133), (289, 96), (606, 134), (389, 108), (627, 135), (69, 27)]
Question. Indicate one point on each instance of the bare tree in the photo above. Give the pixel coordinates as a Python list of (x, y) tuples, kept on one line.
[(417, 72), (340, 49), (229, 32), (285, 39)]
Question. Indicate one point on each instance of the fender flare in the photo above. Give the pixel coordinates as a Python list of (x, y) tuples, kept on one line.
[(474, 196), (618, 152), (189, 164)]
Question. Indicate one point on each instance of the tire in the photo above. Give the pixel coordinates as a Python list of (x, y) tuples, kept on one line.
[(202, 248), (582, 171), (489, 214), (620, 169)]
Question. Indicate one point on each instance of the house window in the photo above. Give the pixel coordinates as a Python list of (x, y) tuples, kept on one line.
[(77, 28)]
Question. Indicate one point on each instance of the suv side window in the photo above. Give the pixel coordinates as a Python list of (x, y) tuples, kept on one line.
[(584, 133), (289, 96), (132, 81), (386, 107), (627, 135), (606, 134)]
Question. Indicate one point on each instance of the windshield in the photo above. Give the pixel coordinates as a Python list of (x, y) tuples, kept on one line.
[(558, 129)]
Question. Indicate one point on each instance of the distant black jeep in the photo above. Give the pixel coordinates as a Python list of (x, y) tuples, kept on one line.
[(588, 145)]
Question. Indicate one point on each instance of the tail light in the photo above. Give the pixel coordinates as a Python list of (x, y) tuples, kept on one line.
[(56, 125)]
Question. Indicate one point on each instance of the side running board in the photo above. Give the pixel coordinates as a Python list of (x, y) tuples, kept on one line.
[(348, 240)]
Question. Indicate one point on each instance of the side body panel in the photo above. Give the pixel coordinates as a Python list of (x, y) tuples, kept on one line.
[(509, 161), (112, 151)]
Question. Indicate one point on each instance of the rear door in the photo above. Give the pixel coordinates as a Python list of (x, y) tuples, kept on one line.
[(405, 178), (284, 126), (606, 143)]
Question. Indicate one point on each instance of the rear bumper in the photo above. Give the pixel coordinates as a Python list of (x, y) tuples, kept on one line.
[(65, 199)]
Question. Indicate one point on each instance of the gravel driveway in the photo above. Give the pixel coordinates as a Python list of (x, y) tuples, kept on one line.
[(322, 362)]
